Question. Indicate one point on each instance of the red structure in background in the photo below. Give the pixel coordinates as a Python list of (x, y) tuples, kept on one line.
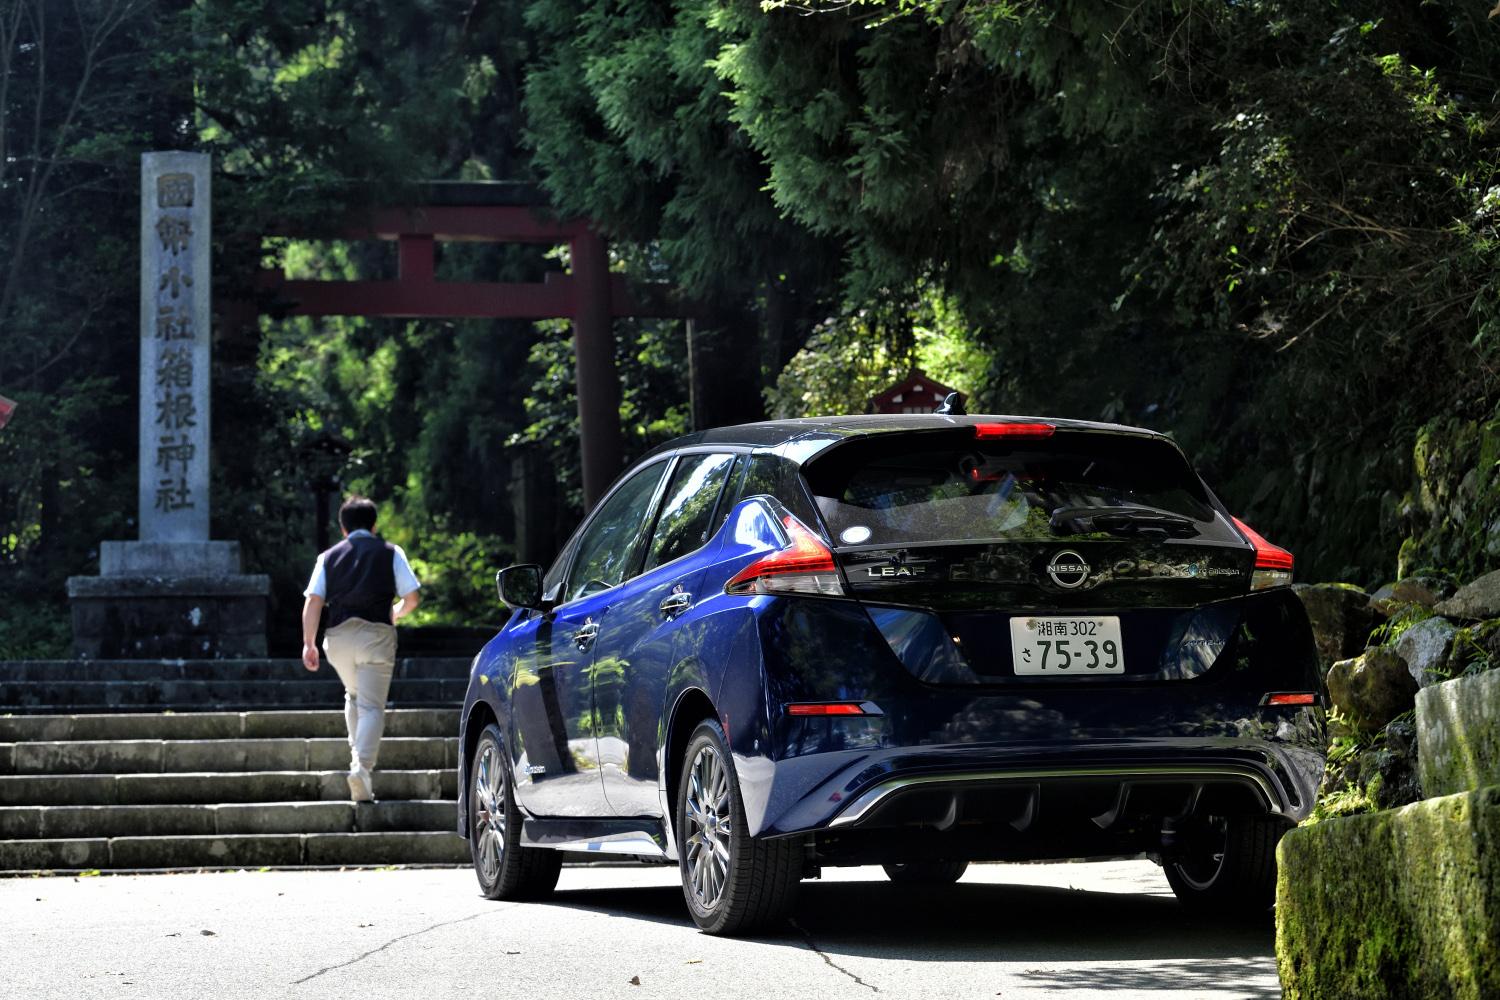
[(914, 394), (589, 296)]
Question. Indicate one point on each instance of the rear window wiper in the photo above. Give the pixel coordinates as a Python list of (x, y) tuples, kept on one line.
[(1143, 521)]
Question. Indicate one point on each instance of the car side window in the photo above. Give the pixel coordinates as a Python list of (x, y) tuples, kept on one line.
[(688, 508), (609, 543)]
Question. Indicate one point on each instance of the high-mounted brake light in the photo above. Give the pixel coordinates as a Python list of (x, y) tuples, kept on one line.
[(827, 708), (983, 431), (1273, 564), (1291, 698), (804, 566)]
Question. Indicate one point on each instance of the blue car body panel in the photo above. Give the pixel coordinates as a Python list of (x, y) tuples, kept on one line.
[(591, 731)]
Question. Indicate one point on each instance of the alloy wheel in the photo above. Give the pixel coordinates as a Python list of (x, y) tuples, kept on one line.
[(1200, 870), (708, 827), (489, 812)]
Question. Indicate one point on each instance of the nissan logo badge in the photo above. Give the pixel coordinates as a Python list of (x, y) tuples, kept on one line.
[(1068, 570)]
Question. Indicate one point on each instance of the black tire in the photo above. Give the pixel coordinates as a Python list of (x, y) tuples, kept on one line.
[(1235, 875), (733, 883), (505, 869), (926, 872)]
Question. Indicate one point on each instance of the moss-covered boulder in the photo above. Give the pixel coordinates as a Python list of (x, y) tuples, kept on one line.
[(1419, 591), (1426, 647), (1372, 689), (1475, 600), (1340, 616), (1458, 734), (1400, 903)]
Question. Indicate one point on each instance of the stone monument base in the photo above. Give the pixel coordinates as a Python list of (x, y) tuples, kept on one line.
[(184, 600)]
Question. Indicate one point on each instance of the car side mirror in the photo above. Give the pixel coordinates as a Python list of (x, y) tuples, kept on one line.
[(520, 586)]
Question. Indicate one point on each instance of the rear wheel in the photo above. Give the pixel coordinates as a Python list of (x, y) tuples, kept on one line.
[(926, 872), (733, 882), (505, 869), (1232, 871)]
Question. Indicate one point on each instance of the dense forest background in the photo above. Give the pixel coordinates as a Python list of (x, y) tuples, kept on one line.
[(1268, 227)]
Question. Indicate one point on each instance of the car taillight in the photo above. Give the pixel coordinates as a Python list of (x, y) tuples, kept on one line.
[(1273, 564), (983, 431), (804, 566), (1290, 698)]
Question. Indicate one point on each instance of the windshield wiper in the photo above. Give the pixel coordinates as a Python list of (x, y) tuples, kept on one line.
[(1143, 521)]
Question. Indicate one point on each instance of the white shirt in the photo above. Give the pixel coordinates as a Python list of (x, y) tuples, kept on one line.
[(406, 580)]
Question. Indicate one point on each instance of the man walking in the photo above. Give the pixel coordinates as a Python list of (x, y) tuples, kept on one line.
[(359, 579)]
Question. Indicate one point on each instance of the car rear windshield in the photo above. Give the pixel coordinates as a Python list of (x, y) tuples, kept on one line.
[(947, 486)]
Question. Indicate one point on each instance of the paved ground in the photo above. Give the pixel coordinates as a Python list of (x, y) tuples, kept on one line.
[(1109, 930)]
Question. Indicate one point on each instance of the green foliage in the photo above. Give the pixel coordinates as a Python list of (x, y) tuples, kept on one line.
[(651, 360), (1403, 618), (1270, 228), (77, 103)]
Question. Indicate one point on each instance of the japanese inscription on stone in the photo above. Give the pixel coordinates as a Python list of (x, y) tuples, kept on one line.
[(174, 346)]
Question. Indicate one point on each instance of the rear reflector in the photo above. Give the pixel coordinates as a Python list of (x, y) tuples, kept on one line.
[(1292, 698), (804, 566), (982, 431), (1273, 564), (825, 708)]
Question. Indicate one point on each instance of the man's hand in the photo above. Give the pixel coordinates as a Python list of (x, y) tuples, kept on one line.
[(407, 606), (312, 610)]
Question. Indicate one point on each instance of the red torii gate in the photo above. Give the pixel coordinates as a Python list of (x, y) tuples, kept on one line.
[(488, 213)]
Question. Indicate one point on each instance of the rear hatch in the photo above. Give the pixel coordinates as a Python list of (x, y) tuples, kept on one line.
[(1014, 552)]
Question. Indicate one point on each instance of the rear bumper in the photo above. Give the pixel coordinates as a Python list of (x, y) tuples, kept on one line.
[(1024, 788), (871, 806)]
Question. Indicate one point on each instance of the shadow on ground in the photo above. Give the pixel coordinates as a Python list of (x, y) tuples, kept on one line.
[(1147, 942)]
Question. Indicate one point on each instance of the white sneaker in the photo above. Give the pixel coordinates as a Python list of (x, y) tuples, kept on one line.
[(360, 786)]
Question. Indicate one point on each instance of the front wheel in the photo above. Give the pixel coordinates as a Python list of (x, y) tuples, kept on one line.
[(505, 869), (733, 882), (1232, 872)]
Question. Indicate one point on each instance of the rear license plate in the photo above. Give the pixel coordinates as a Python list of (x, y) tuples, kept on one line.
[(1066, 647)]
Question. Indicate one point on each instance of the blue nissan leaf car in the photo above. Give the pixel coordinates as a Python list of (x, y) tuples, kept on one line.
[(917, 641)]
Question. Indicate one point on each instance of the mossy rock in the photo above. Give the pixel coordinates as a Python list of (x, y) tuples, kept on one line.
[(1400, 903), (1458, 734)]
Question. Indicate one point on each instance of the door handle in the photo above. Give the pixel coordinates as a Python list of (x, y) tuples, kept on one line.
[(586, 635), (676, 603)]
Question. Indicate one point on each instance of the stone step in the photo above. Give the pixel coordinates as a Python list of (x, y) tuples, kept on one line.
[(35, 696), (234, 851), (70, 822), (322, 723), (47, 708), (218, 787), (55, 671), (171, 756)]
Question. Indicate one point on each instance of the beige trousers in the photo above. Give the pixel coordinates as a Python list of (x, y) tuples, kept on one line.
[(364, 656)]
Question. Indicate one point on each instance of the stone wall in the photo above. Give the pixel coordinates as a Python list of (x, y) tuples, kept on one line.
[(1405, 902), (1399, 903)]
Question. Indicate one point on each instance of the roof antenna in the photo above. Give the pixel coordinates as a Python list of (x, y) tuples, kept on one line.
[(953, 405)]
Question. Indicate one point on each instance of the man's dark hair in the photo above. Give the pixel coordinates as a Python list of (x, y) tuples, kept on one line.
[(357, 512)]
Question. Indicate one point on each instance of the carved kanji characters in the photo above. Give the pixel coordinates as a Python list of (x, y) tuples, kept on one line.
[(173, 494), (176, 411), (174, 234), (175, 451), (176, 279), (174, 191), (174, 369), (173, 323)]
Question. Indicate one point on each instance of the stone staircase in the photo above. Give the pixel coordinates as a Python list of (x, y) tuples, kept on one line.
[(70, 686), (130, 765)]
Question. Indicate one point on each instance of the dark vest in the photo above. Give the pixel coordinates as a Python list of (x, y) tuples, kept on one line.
[(361, 577)]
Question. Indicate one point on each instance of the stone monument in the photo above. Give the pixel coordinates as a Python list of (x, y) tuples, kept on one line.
[(173, 592)]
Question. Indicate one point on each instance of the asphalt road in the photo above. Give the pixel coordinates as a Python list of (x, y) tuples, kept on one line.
[(1105, 930)]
